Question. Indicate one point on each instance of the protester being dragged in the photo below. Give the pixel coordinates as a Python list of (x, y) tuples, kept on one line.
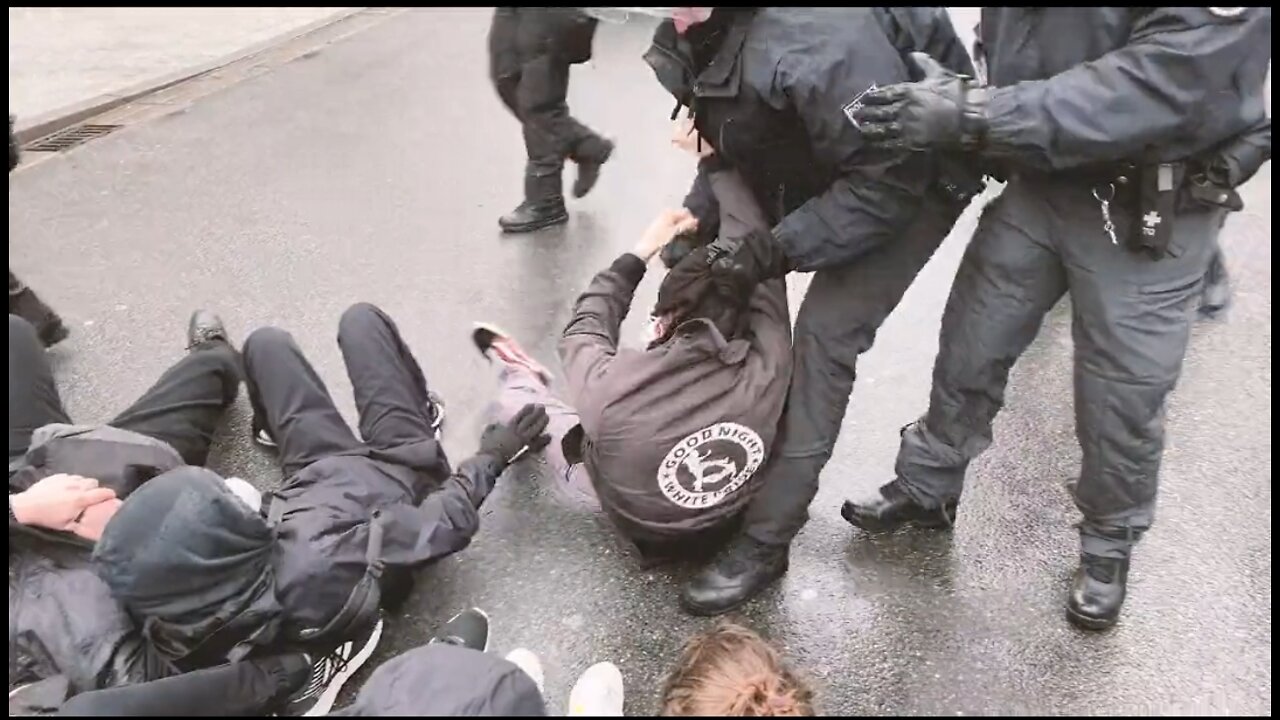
[(666, 438)]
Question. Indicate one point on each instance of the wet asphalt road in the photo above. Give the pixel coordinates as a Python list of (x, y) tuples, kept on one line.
[(375, 170)]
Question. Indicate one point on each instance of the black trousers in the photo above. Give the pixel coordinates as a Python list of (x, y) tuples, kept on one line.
[(183, 408), (248, 688), (1131, 318), (529, 66), (293, 404), (837, 322)]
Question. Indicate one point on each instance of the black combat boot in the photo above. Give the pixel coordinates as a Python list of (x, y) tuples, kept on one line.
[(1097, 592), (738, 574), (24, 303), (894, 509), (205, 327), (591, 155), (1215, 295), (543, 206)]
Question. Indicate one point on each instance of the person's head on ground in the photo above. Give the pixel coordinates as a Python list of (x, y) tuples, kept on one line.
[(191, 559), (729, 670)]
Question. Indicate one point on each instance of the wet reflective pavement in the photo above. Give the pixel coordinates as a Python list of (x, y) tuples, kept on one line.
[(376, 169)]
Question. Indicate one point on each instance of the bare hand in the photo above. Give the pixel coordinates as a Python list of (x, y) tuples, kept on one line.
[(685, 136), (663, 230), (94, 519), (58, 501)]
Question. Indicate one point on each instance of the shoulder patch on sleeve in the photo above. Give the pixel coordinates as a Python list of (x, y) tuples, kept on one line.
[(1227, 12), (854, 105)]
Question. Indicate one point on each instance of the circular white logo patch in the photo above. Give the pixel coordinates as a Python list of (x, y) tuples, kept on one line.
[(706, 466)]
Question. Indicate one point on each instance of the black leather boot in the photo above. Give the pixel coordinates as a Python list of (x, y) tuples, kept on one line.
[(595, 153), (24, 303), (531, 215), (205, 327), (894, 509), (1098, 592), (543, 204), (738, 574), (1215, 296)]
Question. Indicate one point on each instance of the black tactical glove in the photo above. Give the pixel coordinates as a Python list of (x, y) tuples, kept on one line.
[(679, 248), (720, 276), (526, 432), (746, 261), (942, 110)]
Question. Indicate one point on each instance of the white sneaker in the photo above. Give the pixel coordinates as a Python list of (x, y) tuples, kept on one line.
[(529, 663), (598, 693)]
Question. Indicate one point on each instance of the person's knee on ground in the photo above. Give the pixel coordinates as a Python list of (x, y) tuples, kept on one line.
[(729, 670)]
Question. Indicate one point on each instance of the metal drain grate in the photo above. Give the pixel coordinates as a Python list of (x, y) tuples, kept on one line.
[(71, 137)]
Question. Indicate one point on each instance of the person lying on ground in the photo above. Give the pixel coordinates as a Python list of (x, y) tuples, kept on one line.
[(213, 579), (65, 483), (452, 675), (666, 439)]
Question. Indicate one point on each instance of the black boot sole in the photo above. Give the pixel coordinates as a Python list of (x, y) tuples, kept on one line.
[(1088, 622), (581, 189), (546, 222)]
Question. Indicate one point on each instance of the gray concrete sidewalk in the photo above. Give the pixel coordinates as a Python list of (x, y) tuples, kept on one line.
[(60, 57)]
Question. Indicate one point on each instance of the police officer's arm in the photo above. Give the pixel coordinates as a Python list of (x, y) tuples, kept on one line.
[(590, 340), (701, 200), (770, 321), (1178, 65), (930, 30), (875, 192)]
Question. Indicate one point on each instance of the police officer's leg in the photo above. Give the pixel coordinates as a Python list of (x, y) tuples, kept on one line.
[(1010, 276), (186, 405), (504, 56), (540, 103), (396, 408), (33, 394), (837, 322), (1131, 323), (291, 404)]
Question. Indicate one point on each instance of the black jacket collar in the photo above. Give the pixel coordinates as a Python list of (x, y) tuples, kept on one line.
[(672, 59)]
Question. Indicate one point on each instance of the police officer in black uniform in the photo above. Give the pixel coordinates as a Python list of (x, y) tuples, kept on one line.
[(1102, 120), (770, 90), (530, 52)]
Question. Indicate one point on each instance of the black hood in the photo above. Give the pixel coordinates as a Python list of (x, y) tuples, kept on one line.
[(691, 290), (443, 680), (192, 562)]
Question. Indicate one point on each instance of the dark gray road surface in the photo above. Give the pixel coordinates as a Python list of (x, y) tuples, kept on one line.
[(375, 170)]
